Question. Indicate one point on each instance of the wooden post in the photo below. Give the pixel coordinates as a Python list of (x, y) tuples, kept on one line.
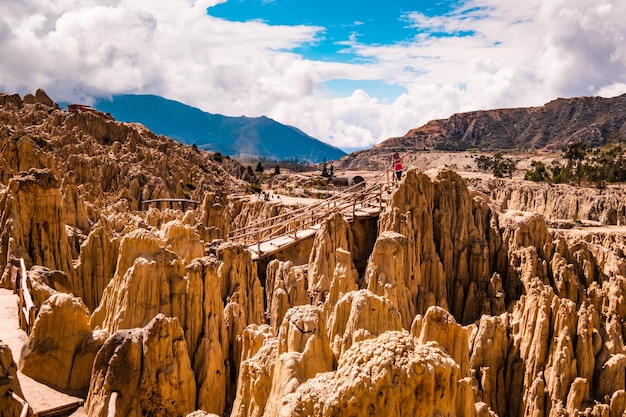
[(113, 404), (29, 307), (23, 402)]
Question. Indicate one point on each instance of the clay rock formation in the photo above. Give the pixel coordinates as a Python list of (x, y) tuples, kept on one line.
[(148, 368), (9, 383), (331, 272), (96, 263), (44, 283), (182, 239), (255, 372), (560, 204), (40, 97), (445, 246), (206, 334), (107, 159), (285, 287), (213, 297), (439, 326), (303, 352), (149, 280), (61, 348), (32, 222), (391, 375), (360, 315), (201, 413)]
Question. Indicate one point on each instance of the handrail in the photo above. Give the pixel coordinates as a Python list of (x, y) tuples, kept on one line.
[(113, 404), (288, 223), (26, 304), (25, 406), (346, 194)]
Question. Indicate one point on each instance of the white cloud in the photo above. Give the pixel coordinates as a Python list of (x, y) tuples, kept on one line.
[(510, 54)]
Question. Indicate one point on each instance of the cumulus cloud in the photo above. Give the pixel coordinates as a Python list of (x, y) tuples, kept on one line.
[(485, 54)]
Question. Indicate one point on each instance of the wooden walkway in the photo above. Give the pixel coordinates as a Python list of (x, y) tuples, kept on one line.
[(171, 202), (274, 234), (43, 400)]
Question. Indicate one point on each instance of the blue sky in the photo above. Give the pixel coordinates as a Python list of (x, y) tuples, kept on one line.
[(369, 22), (351, 74)]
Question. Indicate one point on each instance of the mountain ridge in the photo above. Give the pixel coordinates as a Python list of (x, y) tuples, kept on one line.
[(233, 136), (591, 120)]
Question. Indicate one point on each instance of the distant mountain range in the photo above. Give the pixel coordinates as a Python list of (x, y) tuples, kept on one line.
[(233, 136), (591, 120)]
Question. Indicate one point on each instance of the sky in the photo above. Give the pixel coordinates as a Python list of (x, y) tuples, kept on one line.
[(349, 73)]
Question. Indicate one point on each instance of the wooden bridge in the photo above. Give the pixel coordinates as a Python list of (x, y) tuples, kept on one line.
[(271, 235), (171, 202)]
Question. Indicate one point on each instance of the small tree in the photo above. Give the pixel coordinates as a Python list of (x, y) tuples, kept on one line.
[(259, 167), (325, 172), (499, 165), (575, 153), (559, 173), (276, 170), (538, 172)]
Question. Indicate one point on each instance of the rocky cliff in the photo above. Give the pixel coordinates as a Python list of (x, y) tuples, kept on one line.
[(460, 301), (561, 205), (592, 120)]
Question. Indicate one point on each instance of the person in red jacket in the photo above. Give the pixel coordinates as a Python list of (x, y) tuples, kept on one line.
[(396, 164)]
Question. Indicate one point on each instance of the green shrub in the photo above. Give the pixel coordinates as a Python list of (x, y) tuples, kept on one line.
[(254, 188)]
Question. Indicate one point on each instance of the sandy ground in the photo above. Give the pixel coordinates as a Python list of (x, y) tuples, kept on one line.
[(464, 163)]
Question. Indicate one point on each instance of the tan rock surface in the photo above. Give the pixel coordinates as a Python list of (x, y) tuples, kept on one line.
[(558, 201), (391, 375), (255, 373), (330, 261), (61, 348), (149, 280), (96, 264), (286, 287), (207, 336), (360, 315), (489, 346), (439, 326), (303, 351), (150, 370), (9, 382), (33, 225), (445, 245)]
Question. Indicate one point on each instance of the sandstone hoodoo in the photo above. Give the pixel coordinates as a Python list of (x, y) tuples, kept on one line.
[(461, 298)]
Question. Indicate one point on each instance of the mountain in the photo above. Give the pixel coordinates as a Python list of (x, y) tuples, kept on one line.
[(592, 120), (234, 136)]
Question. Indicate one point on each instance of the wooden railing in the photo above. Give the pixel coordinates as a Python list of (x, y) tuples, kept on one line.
[(23, 403), (184, 202), (113, 404), (348, 203), (27, 310)]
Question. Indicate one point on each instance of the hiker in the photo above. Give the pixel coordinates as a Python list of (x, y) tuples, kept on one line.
[(396, 164)]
